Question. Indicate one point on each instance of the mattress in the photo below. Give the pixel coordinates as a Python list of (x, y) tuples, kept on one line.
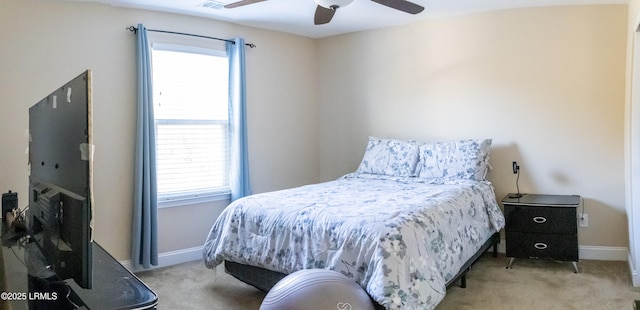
[(400, 238)]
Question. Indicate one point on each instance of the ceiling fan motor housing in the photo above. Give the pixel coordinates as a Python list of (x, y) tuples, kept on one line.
[(329, 3)]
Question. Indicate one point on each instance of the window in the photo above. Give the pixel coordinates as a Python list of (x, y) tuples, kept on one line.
[(191, 118)]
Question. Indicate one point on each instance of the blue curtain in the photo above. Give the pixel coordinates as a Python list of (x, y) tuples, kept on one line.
[(144, 241), (239, 174)]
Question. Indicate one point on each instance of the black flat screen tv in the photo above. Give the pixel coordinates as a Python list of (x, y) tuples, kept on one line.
[(60, 214)]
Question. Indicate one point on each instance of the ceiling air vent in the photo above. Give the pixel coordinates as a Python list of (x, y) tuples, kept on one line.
[(212, 4)]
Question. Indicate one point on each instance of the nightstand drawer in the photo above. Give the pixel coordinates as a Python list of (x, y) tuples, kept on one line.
[(539, 219), (532, 245)]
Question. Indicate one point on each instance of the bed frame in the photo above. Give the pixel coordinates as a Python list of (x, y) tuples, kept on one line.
[(265, 279)]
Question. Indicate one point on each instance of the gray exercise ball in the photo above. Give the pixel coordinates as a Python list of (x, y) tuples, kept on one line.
[(316, 289)]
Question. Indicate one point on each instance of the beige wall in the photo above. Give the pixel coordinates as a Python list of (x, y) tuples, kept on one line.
[(547, 84), (43, 44)]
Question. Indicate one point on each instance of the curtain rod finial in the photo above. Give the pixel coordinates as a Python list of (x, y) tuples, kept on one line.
[(132, 29)]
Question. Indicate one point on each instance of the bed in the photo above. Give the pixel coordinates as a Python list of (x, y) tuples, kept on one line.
[(410, 221)]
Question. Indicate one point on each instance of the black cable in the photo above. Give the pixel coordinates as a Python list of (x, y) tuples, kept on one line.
[(17, 257), (518, 179), (516, 195), (15, 230)]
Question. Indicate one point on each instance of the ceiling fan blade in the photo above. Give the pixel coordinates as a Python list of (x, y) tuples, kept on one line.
[(324, 15), (241, 3), (402, 5)]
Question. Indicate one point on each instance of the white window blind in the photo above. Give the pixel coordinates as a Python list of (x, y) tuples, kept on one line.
[(191, 117)]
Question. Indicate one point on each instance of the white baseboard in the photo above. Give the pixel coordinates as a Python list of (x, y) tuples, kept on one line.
[(603, 253), (170, 258), (591, 252), (635, 277)]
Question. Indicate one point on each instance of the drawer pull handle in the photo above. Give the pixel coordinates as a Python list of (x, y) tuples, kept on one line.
[(539, 219), (540, 246)]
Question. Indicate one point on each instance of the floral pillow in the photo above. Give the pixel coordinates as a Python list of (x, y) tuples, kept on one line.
[(390, 157), (464, 159)]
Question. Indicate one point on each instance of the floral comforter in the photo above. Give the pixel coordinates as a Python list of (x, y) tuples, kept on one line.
[(401, 239)]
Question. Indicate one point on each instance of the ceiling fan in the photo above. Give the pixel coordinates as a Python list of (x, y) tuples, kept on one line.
[(327, 8)]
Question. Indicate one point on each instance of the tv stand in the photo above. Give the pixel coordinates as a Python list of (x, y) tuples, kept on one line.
[(114, 287)]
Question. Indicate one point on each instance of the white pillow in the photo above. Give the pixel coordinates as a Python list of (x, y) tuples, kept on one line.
[(464, 159), (390, 157)]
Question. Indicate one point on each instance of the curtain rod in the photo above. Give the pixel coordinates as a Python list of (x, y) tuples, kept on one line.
[(134, 30)]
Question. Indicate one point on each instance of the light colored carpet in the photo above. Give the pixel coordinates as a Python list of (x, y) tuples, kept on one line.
[(530, 284)]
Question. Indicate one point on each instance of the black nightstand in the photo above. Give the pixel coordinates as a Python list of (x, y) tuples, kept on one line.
[(542, 227)]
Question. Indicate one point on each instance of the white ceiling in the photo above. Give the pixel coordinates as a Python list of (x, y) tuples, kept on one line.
[(296, 16)]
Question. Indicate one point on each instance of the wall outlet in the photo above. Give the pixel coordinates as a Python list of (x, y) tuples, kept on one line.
[(583, 219)]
